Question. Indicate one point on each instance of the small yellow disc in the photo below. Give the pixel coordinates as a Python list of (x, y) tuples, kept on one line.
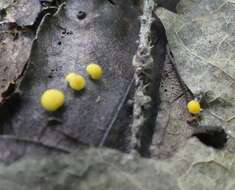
[(194, 107), (76, 82), (70, 76), (52, 99), (94, 71)]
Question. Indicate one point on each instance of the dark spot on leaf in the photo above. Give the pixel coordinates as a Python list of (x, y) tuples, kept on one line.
[(5, 69), (212, 136), (81, 15), (8, 110), (3, 13), (129, 107), (59, 43), (112, 2), (168, 4), (53, 122), (10, 90)]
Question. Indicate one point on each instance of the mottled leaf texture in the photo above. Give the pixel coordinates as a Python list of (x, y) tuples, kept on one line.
[(22, 12), (18, 25), (91, 169), (201, 37), (66, 43), (15, 48), (13, 149), (202, 40), (172, 129), (107, 169)]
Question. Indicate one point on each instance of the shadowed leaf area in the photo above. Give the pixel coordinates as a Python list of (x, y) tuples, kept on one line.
[(66, 42), (37, 51)]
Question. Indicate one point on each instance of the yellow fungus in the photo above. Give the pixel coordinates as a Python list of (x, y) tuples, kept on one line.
[(94, 71), (70, 76), (52, 99), (194, 107), (76, 81)]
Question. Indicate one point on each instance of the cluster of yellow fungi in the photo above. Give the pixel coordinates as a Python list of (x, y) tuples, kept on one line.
[(53, 99)]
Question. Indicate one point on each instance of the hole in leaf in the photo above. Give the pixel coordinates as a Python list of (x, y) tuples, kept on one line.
[(212, 136), (81, 15), (112, 2)]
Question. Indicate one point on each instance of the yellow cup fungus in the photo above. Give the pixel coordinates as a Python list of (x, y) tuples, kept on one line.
[(52, 99), (94, 71), (194, 107), (70, 76), (76, 81)]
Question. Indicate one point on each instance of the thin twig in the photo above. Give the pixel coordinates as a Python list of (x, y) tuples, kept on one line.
[(116, 113)]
